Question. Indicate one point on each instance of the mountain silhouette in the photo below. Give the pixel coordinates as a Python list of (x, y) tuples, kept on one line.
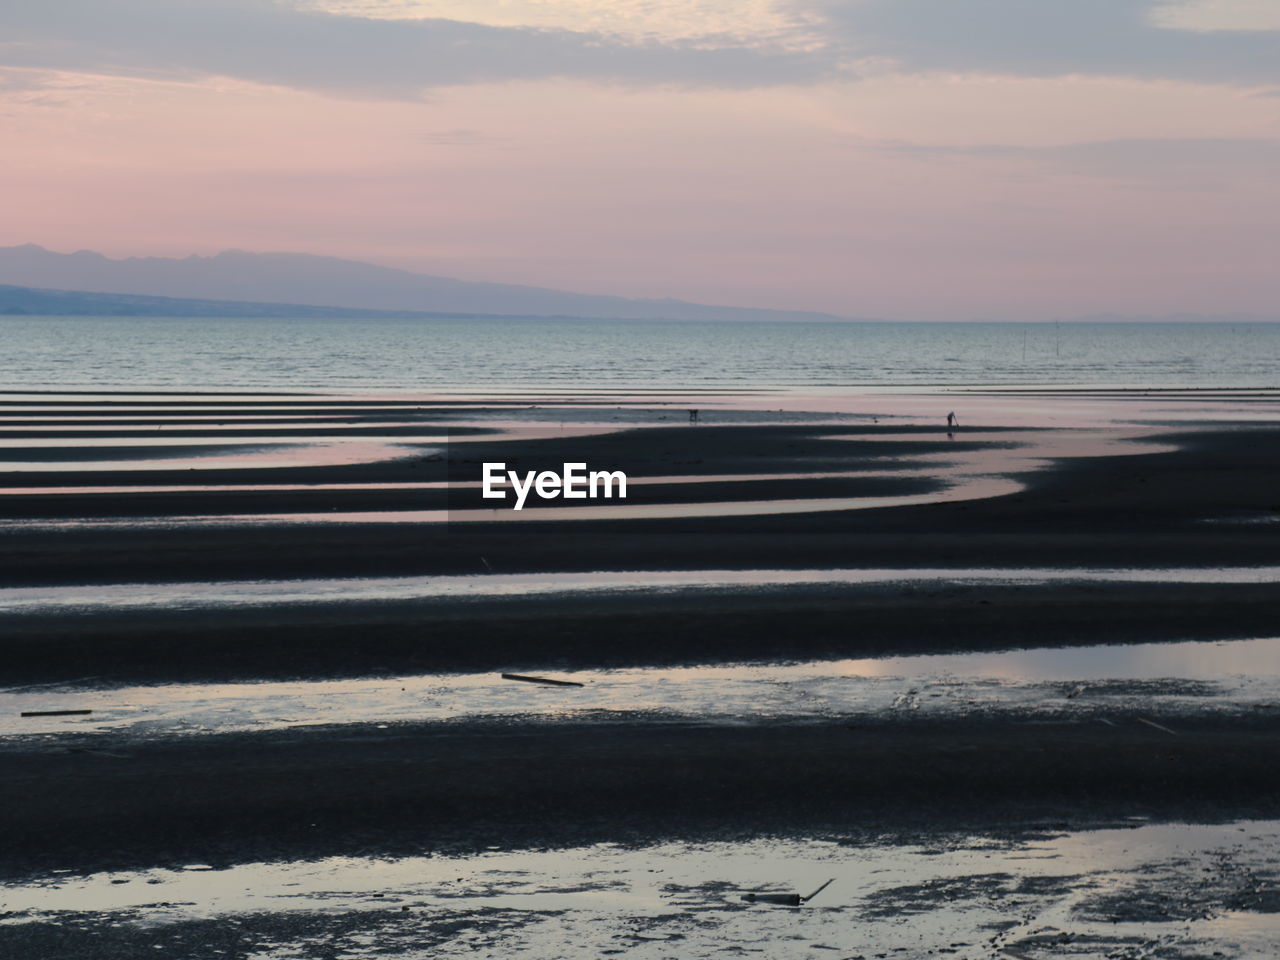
[(300, 278)]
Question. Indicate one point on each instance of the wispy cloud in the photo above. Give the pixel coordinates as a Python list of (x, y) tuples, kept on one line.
[(1210, 16), (458, 137), (714, 22), (1047, 38), (37, 88), (278, 43), (1209, 163), (356, 49)]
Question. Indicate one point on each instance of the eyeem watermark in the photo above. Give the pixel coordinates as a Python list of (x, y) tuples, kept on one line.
[(572, 483)]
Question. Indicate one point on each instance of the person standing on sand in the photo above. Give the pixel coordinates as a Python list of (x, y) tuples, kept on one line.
[(693, 416), (952, 421)]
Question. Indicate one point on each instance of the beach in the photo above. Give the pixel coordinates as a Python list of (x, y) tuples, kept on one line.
[(640, 480), (289, 616)]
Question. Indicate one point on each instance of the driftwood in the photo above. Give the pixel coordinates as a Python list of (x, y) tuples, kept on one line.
[(785, 899), (546, 680), (819, 890), (54, 713)]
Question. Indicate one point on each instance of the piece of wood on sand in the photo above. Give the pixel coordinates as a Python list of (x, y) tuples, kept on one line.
[(785, 899), (547, 680), (55, 713)]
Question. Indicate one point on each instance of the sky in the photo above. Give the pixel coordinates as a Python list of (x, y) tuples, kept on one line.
[(897, 159)]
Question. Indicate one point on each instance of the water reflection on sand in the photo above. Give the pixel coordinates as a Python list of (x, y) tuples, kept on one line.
[(1076, 683), (1190, 890), (232, 593)]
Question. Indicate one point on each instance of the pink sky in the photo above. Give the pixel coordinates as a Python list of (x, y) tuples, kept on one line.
[(854, 157)]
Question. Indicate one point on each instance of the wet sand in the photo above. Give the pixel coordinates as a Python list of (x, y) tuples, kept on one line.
[(1082, 683), (1131, 890), (1131, 497), (613, 630), (357, 789)]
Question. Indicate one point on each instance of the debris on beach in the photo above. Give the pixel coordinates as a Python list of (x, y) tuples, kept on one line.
[(99, 753), (546, 680), (1158, 726), (819, 890), (54, 713), (785, 899)]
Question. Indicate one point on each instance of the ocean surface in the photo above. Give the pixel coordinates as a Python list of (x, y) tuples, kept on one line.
[(57, 353)]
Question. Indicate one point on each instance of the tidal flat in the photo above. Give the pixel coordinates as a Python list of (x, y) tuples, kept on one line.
[(1015, 686)]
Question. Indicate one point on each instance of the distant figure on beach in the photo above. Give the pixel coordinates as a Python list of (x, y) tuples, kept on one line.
[(952, 421), (693, 416)]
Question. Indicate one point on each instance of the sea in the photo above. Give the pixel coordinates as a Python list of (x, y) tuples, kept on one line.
[(417, 355)]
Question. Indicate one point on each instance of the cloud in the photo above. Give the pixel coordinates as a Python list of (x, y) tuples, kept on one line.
[(278, 43), (739, 22), (458, 137), (1198, 164), (1039, 38), (32, 81), (1208, 161), (35, 88), (1214, 15)]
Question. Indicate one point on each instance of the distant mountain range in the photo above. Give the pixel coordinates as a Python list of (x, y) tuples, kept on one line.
[(20, 301), (236, 283)]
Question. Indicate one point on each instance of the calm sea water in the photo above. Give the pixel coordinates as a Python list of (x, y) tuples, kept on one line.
[(424, 355)]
